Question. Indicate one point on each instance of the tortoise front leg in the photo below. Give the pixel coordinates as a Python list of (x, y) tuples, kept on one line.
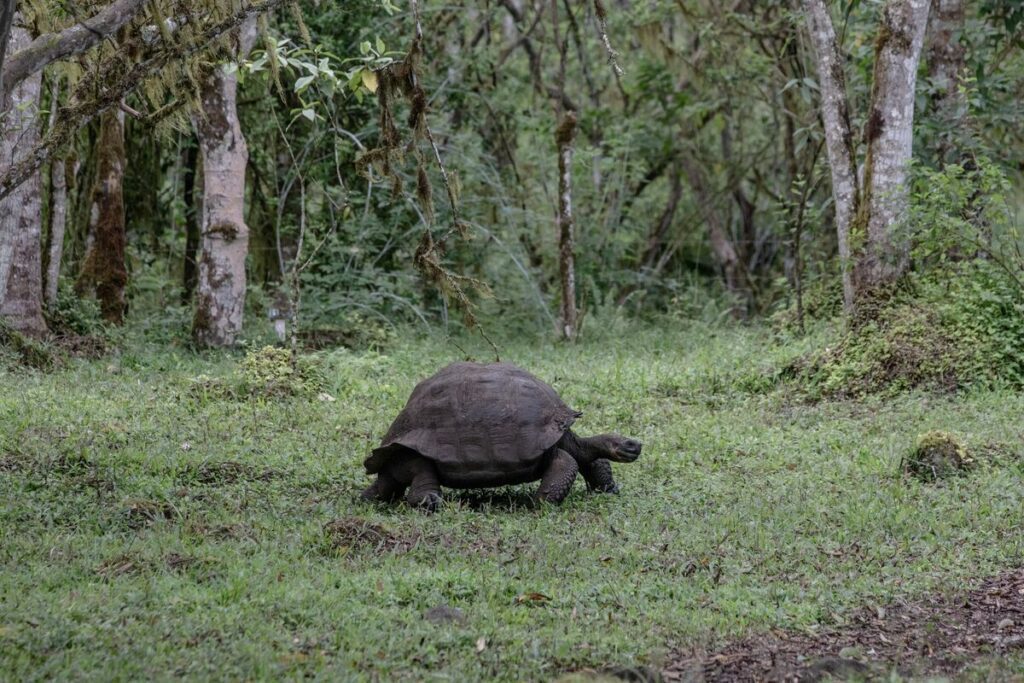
[(385, 488), (425, 489), (558, 477), (599, 476)]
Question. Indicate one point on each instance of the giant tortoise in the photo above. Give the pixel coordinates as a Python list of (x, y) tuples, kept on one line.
[(476, 425)]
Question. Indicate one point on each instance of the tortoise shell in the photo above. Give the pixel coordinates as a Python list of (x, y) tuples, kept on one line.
[(482, 424)]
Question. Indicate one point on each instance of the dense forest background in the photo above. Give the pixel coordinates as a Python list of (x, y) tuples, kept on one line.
[(364, 168)]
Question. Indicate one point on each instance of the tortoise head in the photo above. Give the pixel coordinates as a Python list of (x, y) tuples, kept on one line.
[(614, 447)]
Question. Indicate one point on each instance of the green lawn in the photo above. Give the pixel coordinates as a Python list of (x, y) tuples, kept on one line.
[(150, 528)]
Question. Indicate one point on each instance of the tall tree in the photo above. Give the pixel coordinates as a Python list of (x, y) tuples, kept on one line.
[(870, 215), (224, 235), (104, 269), (21, 286)]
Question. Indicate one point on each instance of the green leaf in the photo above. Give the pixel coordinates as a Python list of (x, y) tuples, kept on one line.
[(303, 83), (309, 114), (370, 80)]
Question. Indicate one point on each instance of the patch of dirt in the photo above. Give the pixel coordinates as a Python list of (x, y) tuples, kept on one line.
[(10, 463), (139, 513), (224, 473), (87, 346), (935, 635), (122, 565), (445, 614), (350, 534)]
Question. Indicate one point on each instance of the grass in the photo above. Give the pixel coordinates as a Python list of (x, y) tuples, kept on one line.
[(151, 529)]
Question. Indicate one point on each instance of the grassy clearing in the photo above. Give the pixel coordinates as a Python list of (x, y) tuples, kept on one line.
[(150, 527)]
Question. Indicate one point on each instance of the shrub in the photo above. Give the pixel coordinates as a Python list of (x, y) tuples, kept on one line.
[(273, 371)]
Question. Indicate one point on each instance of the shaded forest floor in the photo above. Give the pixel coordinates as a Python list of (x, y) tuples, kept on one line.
[(156, 521)]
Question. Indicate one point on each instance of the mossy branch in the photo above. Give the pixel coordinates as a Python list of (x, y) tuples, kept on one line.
[(72, 117)]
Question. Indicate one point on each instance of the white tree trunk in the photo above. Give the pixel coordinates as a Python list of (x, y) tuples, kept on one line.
[(566, 249), (890, 134), (835, 115), (224, 238), (21, 287)]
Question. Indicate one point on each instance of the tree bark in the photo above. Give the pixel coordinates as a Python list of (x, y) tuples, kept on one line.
[(564, 137), (21, 287), (7, 10), (946, 65), (58, 224), (58, 213), (190, 272), (889, 132), (104, 269), (224, 235), (835, 116)]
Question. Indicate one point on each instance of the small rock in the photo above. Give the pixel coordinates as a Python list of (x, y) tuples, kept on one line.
[(1004, 624)]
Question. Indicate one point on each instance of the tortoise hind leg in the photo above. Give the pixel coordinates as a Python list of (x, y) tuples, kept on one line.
[(386, 489), (558, 477)]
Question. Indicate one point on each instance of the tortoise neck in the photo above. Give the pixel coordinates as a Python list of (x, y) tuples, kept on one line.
[(580, 448)]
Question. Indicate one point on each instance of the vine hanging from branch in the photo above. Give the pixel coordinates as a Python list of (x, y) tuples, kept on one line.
[(402, 79)]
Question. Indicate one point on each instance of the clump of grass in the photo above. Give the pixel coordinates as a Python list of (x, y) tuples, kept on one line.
[(22, 351), (274, 371), (269, 373), (937, 455)]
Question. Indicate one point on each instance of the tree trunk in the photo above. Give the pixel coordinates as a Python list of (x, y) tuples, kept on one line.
[(564, 136), (189, 274), (224, 238), (871, 215), (7, 10), (58, 213), (946, 65), (21, 287), (58, 224), (889, 132), (104, 270), (835, 118)]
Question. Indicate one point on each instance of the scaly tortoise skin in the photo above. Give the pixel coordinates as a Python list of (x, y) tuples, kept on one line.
[(476, 425)]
